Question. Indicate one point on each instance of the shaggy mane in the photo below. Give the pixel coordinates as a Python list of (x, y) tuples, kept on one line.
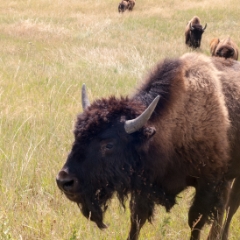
[(164, 80), (102, 113)]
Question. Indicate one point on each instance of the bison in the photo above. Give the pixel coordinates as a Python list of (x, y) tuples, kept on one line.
[(126, 4), (193, 32), (180, 129), (225, 48), (123, 6)]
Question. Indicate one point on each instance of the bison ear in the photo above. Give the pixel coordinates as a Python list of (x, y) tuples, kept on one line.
[(149, 132)]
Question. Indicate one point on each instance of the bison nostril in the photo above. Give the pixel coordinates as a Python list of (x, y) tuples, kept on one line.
[(65, 181), (68, 184)]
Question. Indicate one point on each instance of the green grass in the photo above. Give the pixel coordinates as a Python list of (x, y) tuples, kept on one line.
[(48, 49)]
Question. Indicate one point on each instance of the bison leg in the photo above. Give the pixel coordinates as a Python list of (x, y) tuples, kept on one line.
[(216, 229), (209, 202), (141, 210), (215, 232), (232, 206)]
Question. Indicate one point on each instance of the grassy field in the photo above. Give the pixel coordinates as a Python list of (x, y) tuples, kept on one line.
[(48, 49)]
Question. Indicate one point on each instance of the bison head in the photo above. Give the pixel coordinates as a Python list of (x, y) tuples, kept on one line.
[(225, 48), (196, 32), (104, 159)]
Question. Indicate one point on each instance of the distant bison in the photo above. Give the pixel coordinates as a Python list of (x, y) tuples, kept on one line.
[(126, 5), (225, 48), (181, 128), (123, 6), (193, 32)]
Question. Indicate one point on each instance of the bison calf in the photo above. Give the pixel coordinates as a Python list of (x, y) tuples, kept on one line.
[(193, 32), (225, 48), (126, 5)]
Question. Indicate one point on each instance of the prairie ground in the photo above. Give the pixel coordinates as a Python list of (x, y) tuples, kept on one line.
[(48, 49)]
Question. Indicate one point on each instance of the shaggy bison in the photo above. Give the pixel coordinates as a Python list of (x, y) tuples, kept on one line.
[(193, 32), (181, 128), (225, 48), (126, 4)]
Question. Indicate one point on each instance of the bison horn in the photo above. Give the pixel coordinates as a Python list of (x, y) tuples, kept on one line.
[(205, 27), (191, 27), (134, 125), (85, 101)]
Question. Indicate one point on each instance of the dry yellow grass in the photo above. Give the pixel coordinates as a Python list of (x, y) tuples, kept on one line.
[(47, 50)]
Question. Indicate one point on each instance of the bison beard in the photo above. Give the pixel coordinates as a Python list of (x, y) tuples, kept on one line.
[(93, 206), (152, 150), (93, 196)]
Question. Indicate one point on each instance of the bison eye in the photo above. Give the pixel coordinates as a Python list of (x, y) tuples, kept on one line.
[(109, 145)]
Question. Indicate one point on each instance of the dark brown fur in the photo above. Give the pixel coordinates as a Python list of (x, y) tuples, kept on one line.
[(123, 6), (193, 32), (191, 139), (225, 48)]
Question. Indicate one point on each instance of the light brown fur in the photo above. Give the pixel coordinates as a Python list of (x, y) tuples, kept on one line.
[(198, 102)]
